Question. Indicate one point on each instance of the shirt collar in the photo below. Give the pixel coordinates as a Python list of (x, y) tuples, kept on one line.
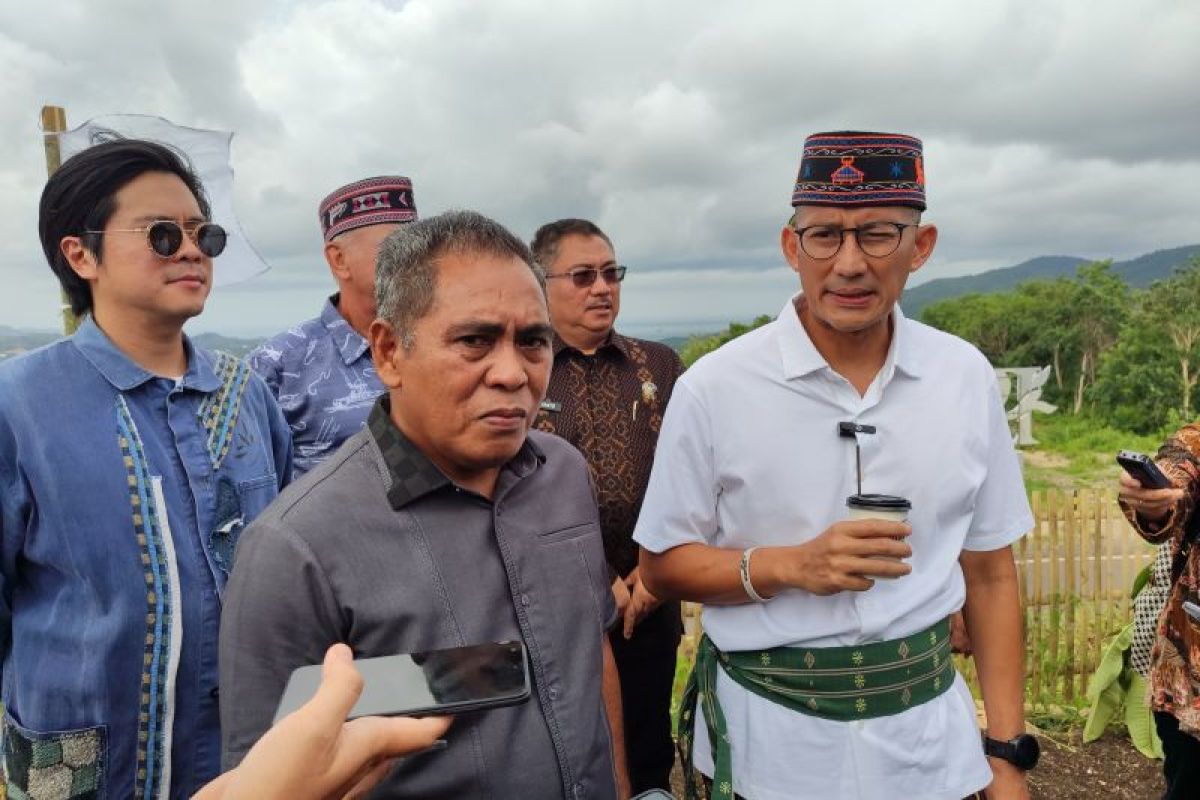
[(614, 341), (124, 374), (801, 357), (413, 474), (349, 342)]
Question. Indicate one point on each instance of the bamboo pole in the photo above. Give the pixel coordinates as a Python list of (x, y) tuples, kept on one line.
[(1070, 592), (54, 122), (1035, 647), (1099, 615)]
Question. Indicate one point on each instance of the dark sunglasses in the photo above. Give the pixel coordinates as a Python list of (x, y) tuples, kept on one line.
[(586, 276), (165, 237)]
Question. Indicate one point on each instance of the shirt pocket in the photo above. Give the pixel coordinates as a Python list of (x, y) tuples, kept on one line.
[(58, 765), (238, 502), (575, 557)]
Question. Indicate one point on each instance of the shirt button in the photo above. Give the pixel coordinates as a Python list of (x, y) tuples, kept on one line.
[(525, 600), (553, 692), (578, 790)]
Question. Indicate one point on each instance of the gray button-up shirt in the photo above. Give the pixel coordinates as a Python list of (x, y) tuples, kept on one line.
[(378, 549)]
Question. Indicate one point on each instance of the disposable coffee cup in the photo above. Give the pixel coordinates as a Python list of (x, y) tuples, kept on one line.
[(879, 506)]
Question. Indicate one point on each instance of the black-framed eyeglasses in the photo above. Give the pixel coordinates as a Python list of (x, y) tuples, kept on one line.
[(165, 237), (876, 239), (582, 277)]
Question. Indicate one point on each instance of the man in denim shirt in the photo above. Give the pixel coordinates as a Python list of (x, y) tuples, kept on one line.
[(129, 462), (321, 370)]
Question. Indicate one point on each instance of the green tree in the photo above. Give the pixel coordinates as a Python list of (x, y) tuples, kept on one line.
[(701, 345)]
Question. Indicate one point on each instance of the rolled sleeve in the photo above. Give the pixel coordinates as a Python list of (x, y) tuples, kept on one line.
[(1001, 515), (681, 498), (279, 614)]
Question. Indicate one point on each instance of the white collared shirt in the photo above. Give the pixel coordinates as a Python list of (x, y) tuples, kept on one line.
[(749, 454)]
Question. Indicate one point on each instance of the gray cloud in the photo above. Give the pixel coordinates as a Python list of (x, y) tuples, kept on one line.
[(1057, 127)]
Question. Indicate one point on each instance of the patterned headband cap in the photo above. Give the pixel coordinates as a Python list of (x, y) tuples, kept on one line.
[(849, 168), (373, 201)]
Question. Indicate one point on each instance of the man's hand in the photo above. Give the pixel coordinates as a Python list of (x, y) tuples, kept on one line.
[(1008, 782), (1152, 505), (641, 602), (315, 754), (848, 556), (960, 642), (621, 595)]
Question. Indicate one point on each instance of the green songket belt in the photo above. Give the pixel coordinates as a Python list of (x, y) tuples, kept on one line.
[(836, 683)]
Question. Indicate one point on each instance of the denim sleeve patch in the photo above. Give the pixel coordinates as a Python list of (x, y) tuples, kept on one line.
[(66, 765)]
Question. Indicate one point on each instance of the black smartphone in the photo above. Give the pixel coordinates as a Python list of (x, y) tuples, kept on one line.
[(1143, 470), (450, 681)]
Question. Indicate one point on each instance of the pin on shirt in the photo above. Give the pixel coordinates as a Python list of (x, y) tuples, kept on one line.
[(649, 395)]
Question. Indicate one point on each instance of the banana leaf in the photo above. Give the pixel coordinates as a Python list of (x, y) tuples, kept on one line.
[(1139, 718), (1107, 688)]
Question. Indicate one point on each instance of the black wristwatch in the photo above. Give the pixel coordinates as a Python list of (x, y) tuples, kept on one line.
[(1022, 751)]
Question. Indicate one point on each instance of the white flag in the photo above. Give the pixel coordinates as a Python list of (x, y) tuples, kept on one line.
[(208, 152)]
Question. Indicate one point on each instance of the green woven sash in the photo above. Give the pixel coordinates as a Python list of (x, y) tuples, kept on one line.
[(837, 683)]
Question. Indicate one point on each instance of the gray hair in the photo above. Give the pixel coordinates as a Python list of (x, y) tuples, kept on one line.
[(406, 269)]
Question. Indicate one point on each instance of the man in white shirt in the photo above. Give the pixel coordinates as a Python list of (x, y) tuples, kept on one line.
[(825, 670)]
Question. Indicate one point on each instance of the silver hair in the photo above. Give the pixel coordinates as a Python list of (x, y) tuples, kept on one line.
[(406, 268)]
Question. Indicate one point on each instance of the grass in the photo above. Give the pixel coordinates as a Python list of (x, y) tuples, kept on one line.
[(1078, 452)]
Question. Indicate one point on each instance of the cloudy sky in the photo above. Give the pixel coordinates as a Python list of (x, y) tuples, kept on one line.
[(1050, 128)]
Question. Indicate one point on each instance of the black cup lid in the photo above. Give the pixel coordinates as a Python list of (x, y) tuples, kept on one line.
[(879, 502)]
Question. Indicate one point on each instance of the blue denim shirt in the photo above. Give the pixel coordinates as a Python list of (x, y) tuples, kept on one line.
[(122, 495), (322, 374)]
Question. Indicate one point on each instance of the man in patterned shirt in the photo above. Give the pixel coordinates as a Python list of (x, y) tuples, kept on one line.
[(321, 370), (606, 396)]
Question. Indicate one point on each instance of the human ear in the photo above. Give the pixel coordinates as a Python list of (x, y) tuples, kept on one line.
[(926, 240), (80, 259), (387, 353)]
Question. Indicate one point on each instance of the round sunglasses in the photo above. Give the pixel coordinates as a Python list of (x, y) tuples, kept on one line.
[(165, 237)]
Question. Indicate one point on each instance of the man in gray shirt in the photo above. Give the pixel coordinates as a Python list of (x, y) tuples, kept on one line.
[(445, 522)]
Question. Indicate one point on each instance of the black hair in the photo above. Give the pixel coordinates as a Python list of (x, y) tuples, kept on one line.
[(81, 196), (546, 240)]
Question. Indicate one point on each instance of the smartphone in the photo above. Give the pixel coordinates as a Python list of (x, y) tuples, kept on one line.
[(1143, 470), (450, 681), (1192, 610)]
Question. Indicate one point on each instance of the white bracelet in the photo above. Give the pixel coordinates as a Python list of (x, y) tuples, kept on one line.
[(744, 571)]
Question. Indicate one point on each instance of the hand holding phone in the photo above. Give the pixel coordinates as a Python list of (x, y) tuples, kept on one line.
[(451, 681), (1143, 470)]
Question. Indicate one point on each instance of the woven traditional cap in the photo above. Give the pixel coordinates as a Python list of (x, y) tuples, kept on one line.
[(373, 201), (850, 168)]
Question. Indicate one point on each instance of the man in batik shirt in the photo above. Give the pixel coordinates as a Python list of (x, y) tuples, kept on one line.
[(321, 370), (606, 396)]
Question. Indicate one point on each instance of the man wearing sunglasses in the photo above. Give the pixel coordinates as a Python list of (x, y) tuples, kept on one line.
[(130, 460), (606, 396), (825, 669), (321, 370)]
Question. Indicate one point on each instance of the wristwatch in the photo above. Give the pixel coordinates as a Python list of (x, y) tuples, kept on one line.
[(1021, 751)]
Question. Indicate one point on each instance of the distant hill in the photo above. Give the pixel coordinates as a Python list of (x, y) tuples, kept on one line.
[(14, 341), (1139, 272)]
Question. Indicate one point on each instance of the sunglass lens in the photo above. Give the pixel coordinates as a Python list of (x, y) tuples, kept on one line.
[(165, 238), (584, 277), (211, 239)]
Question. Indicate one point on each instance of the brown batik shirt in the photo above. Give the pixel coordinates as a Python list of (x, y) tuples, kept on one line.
[(1175, 656), (610, 405)]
